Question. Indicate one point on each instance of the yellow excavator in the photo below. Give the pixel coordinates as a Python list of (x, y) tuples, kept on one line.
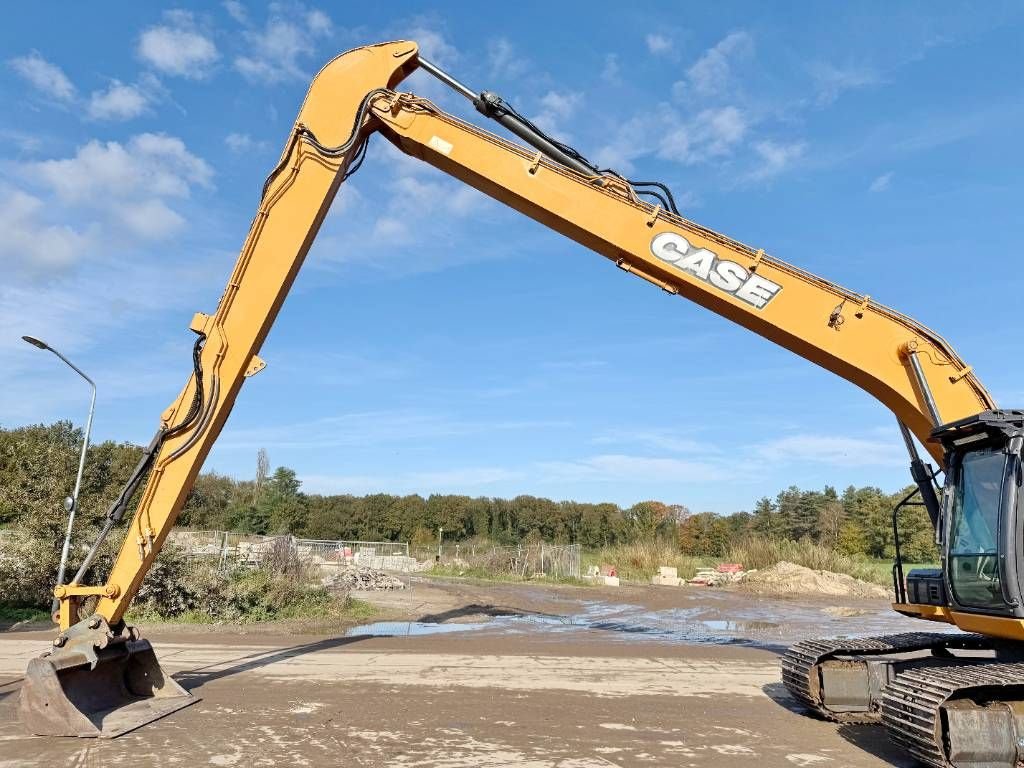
[(949, 698)]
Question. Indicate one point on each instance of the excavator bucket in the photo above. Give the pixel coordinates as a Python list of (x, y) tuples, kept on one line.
[(103, 693)]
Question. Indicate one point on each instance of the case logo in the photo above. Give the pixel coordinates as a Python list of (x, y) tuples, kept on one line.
[(725, 275)]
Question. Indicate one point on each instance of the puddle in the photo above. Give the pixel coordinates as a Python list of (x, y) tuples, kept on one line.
[(410, 629), (762, 622), (728, 625)]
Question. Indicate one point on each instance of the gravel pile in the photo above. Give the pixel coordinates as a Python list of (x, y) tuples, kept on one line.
[(356, 577)]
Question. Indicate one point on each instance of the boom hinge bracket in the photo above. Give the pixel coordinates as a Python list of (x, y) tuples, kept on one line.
[(757, 260), (967, 370), (625, 266), (256, 364), (862, 308)]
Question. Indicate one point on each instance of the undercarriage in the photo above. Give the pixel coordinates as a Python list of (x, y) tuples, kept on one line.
[(947, 699)]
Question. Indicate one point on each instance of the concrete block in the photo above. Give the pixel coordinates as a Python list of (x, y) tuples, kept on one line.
[(611, 581), (668, 573), (666, 581)]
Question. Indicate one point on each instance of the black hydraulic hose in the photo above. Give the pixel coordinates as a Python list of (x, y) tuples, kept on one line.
[(309, 137), (664, 188), (197, 398), (118, 508), (651, 193)]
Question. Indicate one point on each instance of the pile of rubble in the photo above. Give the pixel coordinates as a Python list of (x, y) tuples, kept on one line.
[(605, 574), (721, 575), (360, 578)]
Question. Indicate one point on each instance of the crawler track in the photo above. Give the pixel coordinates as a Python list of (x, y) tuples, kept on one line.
[(912, 703), (801, 661)]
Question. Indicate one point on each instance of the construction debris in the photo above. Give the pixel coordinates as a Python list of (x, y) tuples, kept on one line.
[(360, 578), (606, 575), (666, 577)]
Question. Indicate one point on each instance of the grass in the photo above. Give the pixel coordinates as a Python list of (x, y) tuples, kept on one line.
[(482, 573), (641, 560), (880, 571), (10, 615), (761, 552), (313, 609)]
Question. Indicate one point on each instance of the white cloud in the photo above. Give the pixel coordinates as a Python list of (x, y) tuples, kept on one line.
[(622, 467), (831, 81), (278, 52), (30, 245), (467, 477), (318, 22), (44, 76), (775, 158), (711, 74), (236, 11), (668, 134), (177, 47), (127, 182), (658, 44), (556, 106), (457, 480), (881, 183), (107, 298), (711, 133), (504, 60), (371, 428), (150, 219), (433, 44), (659, 439), (155, 163), (118, 102), (834, 450), (611, 69), (241, 143)]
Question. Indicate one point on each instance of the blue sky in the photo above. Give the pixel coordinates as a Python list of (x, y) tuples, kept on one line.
[(436, 342)]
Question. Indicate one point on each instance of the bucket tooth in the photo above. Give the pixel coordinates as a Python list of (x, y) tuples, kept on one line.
[(103, 694)]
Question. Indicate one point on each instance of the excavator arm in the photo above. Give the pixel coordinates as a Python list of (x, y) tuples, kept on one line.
[(908, 368), (846, 333)]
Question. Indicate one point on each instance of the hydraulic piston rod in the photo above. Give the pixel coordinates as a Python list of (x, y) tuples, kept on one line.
[(491, 105)]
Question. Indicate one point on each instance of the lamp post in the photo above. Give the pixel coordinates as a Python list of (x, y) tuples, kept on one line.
[(71, 502)]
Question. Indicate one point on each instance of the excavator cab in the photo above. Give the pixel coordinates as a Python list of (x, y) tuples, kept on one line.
[(981, 518)]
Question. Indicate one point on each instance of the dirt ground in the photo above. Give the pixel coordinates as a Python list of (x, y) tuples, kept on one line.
[(459, 674)]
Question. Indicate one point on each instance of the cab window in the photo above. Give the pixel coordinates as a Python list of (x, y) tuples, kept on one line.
[(973, 550)]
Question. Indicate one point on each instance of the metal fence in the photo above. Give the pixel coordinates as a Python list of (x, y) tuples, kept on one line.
[(522, 560), (560, 560), (382, 555), (229, 549)]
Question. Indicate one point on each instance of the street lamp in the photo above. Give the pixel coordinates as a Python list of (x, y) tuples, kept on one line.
[(71, 502)]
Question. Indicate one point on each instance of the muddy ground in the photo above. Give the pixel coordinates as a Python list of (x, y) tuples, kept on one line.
[(459, 674)]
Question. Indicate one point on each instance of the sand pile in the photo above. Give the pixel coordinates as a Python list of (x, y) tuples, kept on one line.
[(791, 579)]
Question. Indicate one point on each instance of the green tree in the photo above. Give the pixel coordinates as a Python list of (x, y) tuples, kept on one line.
[(704, 534)]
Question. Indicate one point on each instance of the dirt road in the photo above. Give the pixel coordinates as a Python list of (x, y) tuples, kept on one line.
[(495, 676)]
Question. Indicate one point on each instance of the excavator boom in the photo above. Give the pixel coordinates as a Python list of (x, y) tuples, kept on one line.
[(908, 368)]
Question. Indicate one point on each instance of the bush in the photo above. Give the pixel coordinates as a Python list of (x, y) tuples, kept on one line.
[(763, 552), (640, 560), (197, 590)]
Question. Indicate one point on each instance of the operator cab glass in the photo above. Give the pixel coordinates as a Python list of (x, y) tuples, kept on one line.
[(975, 522), (982, 509)]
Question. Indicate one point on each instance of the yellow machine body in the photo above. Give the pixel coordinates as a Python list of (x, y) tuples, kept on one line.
[(353, 96)]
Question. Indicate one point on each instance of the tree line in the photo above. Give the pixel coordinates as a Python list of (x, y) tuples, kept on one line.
[(37, 466)]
